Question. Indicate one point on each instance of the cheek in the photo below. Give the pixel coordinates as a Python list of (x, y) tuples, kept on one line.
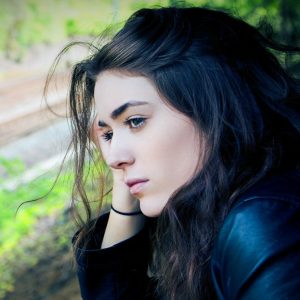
[(93, 133), (173, 155), (102, 148)]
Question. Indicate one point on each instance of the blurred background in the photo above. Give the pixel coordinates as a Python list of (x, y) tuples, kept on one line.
[(35, 254)]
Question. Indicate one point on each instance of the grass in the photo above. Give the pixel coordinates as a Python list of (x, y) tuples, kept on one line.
[(22, 237), (14, 228)]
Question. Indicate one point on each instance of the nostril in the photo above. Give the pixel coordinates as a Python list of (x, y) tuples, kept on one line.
[(120, 163), (117, 164)]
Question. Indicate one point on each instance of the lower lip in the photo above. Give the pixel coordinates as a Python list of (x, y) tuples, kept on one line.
[(137, 188)]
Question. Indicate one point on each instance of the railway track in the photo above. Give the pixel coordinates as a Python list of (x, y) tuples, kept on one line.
[(23, 109), (29, 130)]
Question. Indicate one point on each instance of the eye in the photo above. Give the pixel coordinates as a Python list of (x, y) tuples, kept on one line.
[(133, 123), (107, 136)]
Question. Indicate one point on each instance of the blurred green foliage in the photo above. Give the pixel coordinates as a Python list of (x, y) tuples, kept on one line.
[(29, 22), (23, 235), (14, 227), (26, 23)]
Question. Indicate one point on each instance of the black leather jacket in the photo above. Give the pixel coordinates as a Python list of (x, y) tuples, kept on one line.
[(256, 254)]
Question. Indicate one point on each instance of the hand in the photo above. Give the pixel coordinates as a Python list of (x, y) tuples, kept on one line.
[(121, 198)]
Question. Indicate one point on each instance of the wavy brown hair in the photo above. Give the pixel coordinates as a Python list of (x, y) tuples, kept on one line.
[(223, 74)]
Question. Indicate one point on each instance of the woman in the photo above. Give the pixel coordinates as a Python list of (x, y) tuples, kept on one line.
[(199, 124)]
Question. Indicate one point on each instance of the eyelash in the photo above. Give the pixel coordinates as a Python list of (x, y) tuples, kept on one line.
[(107, 136)]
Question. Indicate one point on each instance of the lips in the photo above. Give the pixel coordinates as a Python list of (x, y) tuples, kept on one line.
[(134, 181), (136, 185)]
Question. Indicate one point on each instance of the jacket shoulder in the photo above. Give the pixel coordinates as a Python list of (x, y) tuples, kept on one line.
[(257, 249)]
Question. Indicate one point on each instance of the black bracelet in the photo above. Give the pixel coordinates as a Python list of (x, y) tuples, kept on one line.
[(126, 214)]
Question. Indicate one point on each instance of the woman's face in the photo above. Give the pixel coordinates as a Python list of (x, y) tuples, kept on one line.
[(145, 139)]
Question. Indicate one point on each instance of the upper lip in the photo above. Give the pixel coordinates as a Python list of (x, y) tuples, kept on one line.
[(131, 182)]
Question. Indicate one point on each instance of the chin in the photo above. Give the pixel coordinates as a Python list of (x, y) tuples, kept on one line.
[(148, 210)]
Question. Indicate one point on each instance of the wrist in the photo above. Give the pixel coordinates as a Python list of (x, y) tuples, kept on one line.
[(123, 201), (125, 213)]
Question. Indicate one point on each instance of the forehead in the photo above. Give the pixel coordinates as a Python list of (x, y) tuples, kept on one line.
[(113, 88)]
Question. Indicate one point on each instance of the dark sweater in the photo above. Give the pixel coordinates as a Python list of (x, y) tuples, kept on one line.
[(256, 254)]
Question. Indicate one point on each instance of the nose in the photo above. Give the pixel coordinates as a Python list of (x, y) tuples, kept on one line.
[(119, 155), (118, 162)]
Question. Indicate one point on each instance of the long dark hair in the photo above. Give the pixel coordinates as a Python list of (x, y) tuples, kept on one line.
[(223, 74)]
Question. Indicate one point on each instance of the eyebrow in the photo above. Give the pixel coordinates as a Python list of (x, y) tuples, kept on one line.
[(120, 110)]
